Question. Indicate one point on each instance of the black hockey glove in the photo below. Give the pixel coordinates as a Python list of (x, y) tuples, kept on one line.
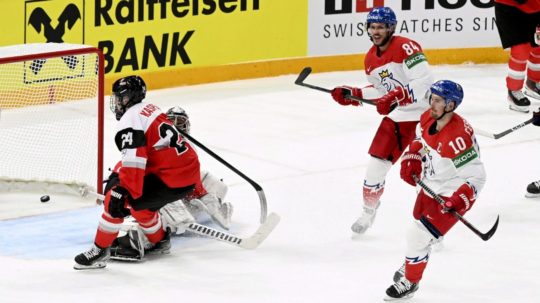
[(119, 197), (112, 181), (536, 118)]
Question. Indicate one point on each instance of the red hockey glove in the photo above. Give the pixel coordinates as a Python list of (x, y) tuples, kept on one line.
[(411, 164), (396, 97), (536, 117), (117, 204), (341, 95), (462, 199)]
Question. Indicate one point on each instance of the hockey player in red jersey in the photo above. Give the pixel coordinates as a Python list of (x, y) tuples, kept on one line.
[(399, 75), (158, 167), (446, 155), (516, 21), (175, 216)]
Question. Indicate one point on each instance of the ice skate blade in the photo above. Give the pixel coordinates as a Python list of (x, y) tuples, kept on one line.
[(529, 195), (96, 265), (521, 109), (388, 298)]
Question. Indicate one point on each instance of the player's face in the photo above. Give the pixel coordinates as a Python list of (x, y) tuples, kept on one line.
[(379, 33), (438, 106)]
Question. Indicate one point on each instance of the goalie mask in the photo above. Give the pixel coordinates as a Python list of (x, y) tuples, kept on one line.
[(179, 118), (126, 92)]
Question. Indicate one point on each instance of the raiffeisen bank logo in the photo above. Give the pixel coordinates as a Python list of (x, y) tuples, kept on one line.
[(54, 21), (333, 7)]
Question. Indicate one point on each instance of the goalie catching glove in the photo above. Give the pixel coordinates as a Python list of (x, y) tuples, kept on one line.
[(394, 98), (341, 95), (117, 204)]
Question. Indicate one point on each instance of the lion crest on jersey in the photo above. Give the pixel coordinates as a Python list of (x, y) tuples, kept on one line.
[(388, 81)]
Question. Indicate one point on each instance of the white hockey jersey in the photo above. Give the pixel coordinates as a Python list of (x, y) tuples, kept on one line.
[(402, 64)]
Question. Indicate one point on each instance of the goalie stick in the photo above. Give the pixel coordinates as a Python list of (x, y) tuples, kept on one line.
[(483, 236), (307, 70), (503, 133), (258, 188), (250, 242)]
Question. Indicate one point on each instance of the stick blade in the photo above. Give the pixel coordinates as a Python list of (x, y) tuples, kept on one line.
[(303, 75), (262, 232), (492, 231)]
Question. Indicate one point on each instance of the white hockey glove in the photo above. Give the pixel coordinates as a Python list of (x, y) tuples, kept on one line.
[(214, 185)]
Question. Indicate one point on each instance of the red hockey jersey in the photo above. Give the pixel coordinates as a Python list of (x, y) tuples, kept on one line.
[(451, 156), (150, 144)]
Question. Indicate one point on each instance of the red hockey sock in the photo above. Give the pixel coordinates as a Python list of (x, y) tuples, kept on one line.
[(517, 66), (414, 270), (533, 70)]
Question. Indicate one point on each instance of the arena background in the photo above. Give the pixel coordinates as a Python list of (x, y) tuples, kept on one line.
[(180, 42)]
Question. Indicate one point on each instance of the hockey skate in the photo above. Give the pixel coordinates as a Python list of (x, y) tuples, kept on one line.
[(533, 190), (402, 289), (96, 257), (365, 221), (532, 89), (400, 273), (220, 212), (518, 101), (162, 247)]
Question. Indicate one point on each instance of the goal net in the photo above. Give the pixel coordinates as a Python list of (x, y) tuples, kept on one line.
[(51, 118)]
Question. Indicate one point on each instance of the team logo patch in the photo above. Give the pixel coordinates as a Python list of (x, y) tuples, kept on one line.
[(465, 157)]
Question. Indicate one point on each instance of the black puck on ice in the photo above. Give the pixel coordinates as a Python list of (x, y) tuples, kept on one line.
[(45, 198)]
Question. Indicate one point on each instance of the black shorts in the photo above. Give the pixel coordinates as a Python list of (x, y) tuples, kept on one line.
[(157, 194), (515, 26)]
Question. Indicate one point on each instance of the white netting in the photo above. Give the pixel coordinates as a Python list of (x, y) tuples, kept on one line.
[(48, 119)]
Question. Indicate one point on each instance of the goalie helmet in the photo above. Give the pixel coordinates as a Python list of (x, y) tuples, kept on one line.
[(179, 118), (450, 91), (126, 92)]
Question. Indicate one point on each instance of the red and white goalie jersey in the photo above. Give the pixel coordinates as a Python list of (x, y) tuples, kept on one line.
[(402, 64), (451, 156), (150, 144)]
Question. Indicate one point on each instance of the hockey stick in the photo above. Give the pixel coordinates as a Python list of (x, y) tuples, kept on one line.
[(504, 133), (250, 242), (258, 188), (307, 70), (440, 200)]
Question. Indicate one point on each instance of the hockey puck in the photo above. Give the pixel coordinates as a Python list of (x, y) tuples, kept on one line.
[(45, 199)]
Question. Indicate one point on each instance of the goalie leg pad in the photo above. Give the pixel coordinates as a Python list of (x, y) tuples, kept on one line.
[(175, 217)]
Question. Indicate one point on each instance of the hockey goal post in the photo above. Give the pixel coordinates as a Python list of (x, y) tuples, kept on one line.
[(51, 118)]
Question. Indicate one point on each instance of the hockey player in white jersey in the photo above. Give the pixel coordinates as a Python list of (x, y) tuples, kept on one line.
[(446, 156), (399, 75)]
